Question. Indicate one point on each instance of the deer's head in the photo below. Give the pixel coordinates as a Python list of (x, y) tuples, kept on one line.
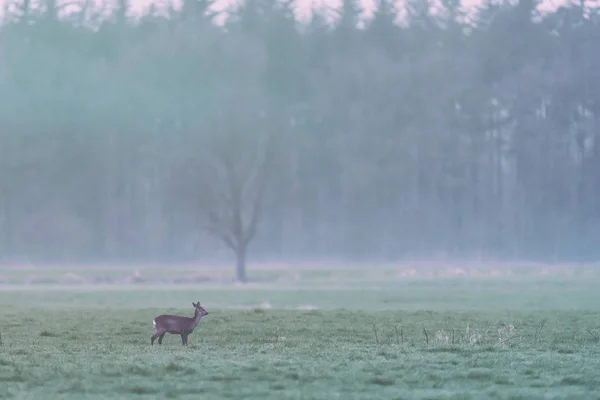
[(200, 311)]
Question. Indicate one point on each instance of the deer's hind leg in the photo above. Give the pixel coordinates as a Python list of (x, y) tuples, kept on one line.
[(159, 335)]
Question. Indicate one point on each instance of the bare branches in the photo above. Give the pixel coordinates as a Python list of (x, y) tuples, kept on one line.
[(260, 184), (215, 227), (228, 177)]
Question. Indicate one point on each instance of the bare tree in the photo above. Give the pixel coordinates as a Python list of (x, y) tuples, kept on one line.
[(228, 178), (233, 202)]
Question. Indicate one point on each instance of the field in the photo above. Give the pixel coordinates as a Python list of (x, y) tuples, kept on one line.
[(411, 332)]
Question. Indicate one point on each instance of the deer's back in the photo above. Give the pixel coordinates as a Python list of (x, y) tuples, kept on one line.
[(172, 323)]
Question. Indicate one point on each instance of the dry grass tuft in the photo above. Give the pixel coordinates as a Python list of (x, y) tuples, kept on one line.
[(505, 334), (442, 337)]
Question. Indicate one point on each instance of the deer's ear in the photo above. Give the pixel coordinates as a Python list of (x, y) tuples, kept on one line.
[(194, 304)]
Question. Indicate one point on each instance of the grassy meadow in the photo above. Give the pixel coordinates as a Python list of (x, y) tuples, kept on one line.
[(410, 332)]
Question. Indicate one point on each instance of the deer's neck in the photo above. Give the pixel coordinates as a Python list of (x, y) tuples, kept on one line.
[(195, 320)]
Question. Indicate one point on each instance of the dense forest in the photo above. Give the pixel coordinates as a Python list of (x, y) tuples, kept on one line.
[(417, 131)]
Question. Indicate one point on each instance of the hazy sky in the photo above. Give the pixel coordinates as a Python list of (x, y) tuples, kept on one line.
[(140, 5)]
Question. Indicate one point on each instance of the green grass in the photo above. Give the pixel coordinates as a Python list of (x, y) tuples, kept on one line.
[(369, 338)]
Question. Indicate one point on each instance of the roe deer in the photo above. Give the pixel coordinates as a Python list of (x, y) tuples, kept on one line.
[(177, 325)]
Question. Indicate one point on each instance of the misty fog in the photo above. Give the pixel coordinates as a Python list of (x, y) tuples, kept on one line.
[(175, 139)]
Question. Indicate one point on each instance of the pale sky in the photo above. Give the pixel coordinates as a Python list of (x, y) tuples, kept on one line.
[(305, 5), (138, 6)]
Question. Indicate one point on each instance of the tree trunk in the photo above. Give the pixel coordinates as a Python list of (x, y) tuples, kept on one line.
[(240, 256)]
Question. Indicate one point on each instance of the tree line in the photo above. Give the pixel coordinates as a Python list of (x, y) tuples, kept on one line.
[(412, 133)]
